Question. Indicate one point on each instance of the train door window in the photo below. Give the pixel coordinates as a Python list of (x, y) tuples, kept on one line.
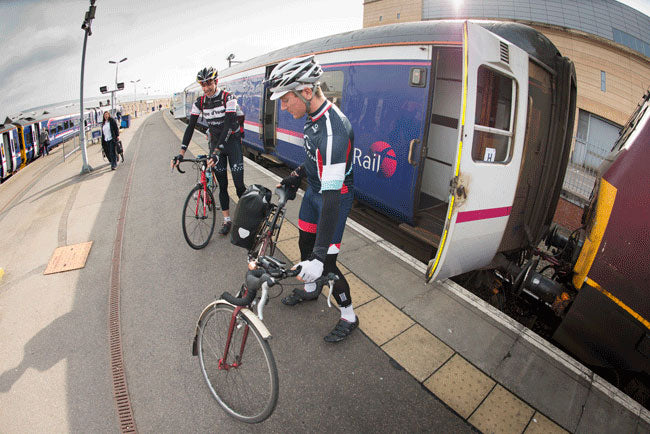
[(494, 113), (332, 86)]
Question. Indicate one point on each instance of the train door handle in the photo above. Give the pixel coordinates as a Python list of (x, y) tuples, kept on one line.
[(411, 146)]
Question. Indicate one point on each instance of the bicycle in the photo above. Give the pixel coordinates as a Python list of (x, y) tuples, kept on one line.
[(245, 387), (199, 209)]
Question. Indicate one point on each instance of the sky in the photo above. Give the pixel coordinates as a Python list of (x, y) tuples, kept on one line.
[(165, 42)]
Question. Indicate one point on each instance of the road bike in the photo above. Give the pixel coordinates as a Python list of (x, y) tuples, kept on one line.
[(199, 209), (231, 340)]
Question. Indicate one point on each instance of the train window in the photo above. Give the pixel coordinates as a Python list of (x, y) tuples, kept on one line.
[(332, 86), (493, 121), (59, 128)]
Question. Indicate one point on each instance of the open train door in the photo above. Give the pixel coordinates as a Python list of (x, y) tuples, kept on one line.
[(268, 116), (488, 156)]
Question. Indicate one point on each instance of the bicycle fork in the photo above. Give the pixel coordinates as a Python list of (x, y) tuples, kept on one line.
[(223, 364)]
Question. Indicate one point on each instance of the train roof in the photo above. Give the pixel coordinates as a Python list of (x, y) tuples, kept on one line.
[(533, 42)]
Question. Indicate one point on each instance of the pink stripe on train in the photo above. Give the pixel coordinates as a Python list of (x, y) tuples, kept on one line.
[(483, 214)]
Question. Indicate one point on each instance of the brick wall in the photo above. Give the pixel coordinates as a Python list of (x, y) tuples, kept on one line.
[(377, 13), (567, 214)]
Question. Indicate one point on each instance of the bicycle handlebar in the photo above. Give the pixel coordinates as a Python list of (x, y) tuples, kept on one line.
[(273, 270), (198, 159)]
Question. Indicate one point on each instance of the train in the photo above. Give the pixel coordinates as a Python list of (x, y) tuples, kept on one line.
[(463, 131), (21, 143)]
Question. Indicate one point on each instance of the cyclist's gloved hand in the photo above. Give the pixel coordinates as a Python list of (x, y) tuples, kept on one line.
[(292, 182), (213, 160), (311, 270), (177, 159)]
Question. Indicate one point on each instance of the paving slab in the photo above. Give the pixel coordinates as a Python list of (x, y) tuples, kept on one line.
[(463, 329)]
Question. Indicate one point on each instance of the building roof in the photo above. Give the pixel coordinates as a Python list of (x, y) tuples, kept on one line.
[(608, 19)]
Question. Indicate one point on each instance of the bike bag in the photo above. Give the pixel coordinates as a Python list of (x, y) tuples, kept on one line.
[(251, 210)]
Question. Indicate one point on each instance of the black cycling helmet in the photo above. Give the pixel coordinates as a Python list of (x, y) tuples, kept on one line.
[(206, 74)]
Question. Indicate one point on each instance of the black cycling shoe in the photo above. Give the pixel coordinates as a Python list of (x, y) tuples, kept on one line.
[(300, 295), (225, 228), (342, 330)]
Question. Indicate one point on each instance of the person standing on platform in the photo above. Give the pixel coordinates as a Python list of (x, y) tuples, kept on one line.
[(219, 110), (328, 144), (45, 142), (110, 136)]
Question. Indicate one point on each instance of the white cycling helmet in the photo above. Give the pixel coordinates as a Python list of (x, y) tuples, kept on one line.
[(294, 75)]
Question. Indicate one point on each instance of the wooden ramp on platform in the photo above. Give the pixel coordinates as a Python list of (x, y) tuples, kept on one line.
[(68, 258)]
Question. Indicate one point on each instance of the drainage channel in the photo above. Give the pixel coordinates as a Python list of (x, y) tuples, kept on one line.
[(120, 389)]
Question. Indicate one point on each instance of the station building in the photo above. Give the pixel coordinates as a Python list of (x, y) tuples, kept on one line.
[(608, 42)]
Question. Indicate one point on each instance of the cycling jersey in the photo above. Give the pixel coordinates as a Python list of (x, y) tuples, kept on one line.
[(324, 210), (219, 112), (329, 141)]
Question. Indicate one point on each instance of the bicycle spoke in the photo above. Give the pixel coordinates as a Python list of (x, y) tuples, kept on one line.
[(248, 391)]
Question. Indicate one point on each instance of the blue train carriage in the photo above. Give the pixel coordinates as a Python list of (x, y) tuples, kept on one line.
[(443, 114), (9, 150), (178, 105), (62, 128)]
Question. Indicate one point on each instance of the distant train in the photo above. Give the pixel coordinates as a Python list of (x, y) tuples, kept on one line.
[(21, 141)]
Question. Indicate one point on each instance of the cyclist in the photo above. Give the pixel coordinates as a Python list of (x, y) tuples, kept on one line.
[(219, 109), (328, 143)]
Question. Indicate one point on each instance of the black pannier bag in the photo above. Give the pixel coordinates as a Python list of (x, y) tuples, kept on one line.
[(249, 215)]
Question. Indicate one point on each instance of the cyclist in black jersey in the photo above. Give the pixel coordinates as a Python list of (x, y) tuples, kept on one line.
[(219, 109), (328, 167)]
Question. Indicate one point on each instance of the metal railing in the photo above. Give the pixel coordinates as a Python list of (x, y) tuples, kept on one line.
[(582, 172)]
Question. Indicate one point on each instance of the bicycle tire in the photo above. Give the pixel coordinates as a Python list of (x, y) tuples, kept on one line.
[(197, 228), (249, 392)]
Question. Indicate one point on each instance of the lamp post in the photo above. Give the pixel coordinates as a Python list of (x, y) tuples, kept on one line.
[(85, 26), (135, 87), (117, 64)]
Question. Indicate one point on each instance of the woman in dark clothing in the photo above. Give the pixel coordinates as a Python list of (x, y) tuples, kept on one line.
[(110, 136)]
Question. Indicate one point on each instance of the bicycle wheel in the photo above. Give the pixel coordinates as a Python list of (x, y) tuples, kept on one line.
[(198, 220), (247, 391)]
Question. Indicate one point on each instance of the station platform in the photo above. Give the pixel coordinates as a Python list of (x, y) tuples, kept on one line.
[(492, 371)]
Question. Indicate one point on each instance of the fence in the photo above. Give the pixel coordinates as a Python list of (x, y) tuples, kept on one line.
[(582, 171)]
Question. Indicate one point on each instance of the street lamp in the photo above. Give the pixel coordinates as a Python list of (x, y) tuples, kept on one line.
[(117, 64), (135, 86), (85, 26)]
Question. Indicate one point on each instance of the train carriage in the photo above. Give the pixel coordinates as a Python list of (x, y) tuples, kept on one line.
[(608, 324), (10, 150), (453, 121), (29, 134), (62, 128)]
